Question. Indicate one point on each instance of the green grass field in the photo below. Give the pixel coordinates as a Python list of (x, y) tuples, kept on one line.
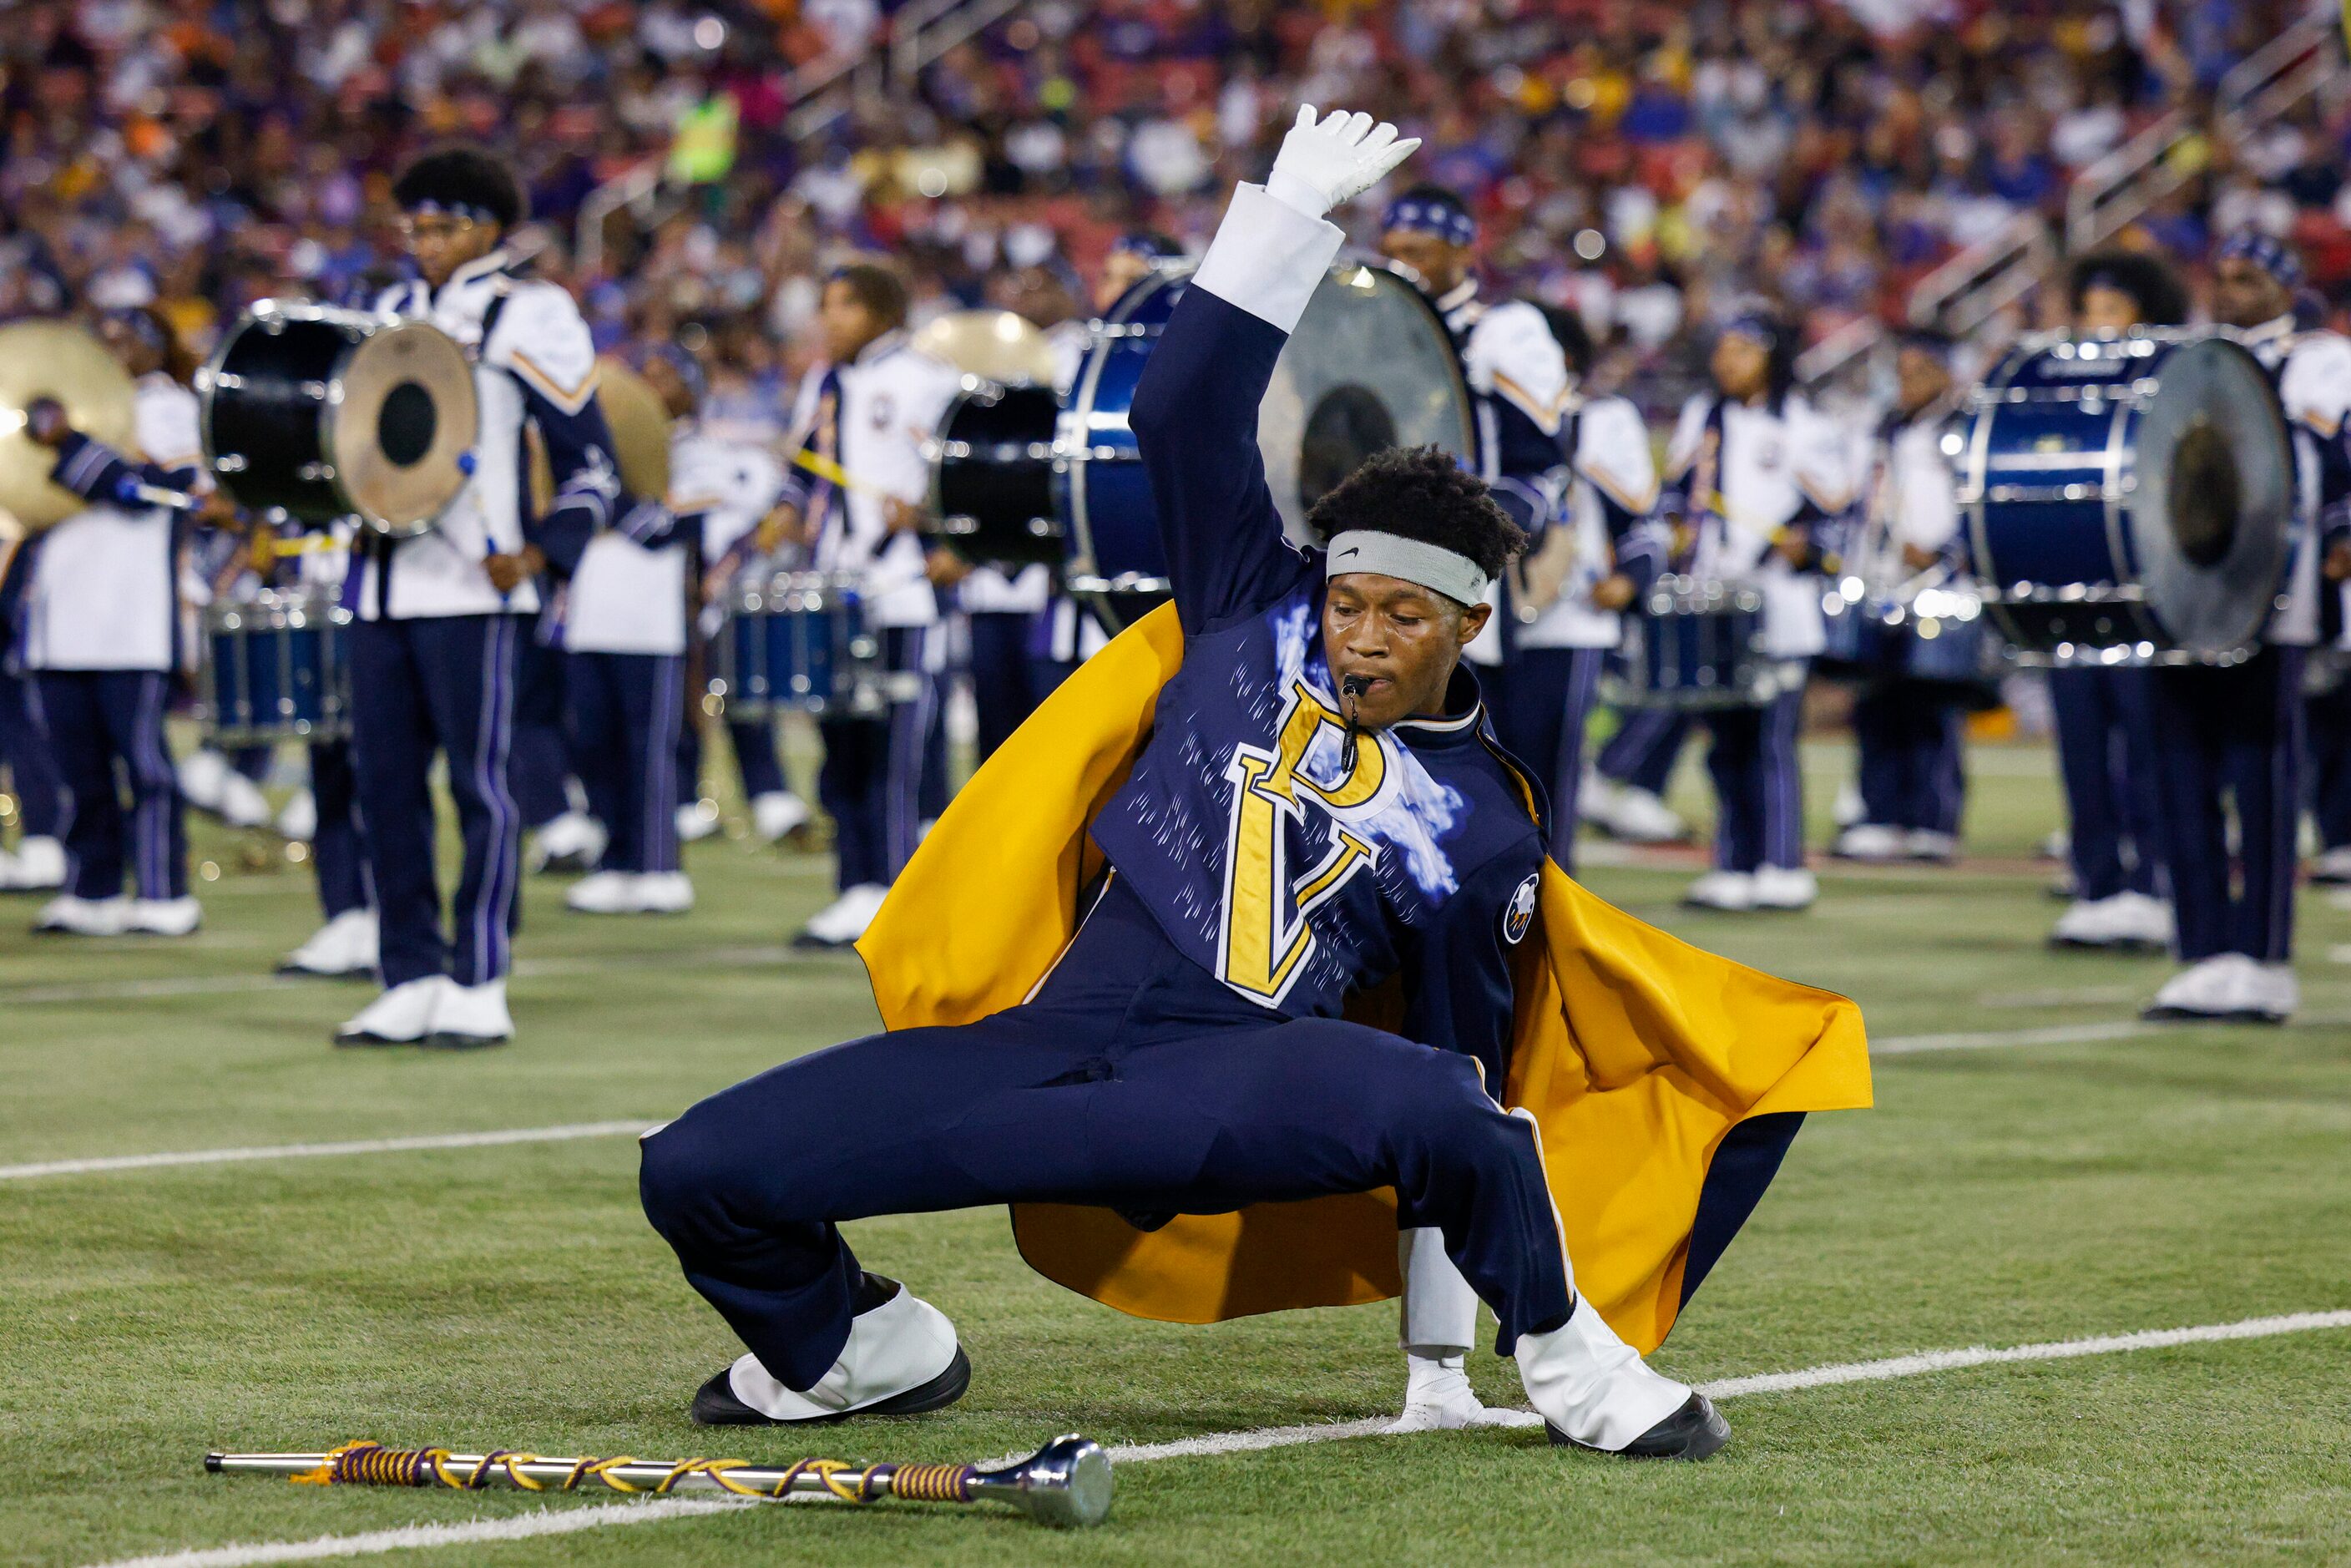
[(2028, 1178)]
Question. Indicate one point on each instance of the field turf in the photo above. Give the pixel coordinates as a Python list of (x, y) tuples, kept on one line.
[(2027, 1178)]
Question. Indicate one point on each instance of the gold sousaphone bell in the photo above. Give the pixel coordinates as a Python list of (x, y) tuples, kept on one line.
[(639, 421), (54, 359), (997, 345)]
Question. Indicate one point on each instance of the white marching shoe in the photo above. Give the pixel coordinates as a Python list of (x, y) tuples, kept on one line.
[(200, 774), (1872, 841), (1438, 1398), (402, 1015), (1594, 1391), (1732, 892), (470, 1018), (696, 820), (663, 893), (69, 916), (603, 893), (1927, 844), (1637, 817), (347, 944), (164, 918), (242, 803), (902, 1359), (776, 814), (38, 866), (2231, 987), (298, 822), (2126, 920), (844, 920), (572, 842), (1785, 887), (2330, 866)]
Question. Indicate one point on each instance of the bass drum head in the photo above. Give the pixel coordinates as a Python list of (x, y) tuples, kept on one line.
[(992, 476), (405, 415), (1371, 366), (2211, 512)]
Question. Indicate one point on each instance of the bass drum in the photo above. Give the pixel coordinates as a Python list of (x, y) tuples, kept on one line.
[(319, 413), (992, 476), (1371, 366), (2129, 498)]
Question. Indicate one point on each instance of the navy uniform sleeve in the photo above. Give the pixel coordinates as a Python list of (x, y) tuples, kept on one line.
[(1194, 413), (1458, 991), (97, 472)]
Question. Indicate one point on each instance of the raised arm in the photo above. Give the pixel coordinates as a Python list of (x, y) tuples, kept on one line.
[(1195, 413)]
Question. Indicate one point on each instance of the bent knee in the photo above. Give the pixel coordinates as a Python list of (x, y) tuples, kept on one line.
[(682, 1177)]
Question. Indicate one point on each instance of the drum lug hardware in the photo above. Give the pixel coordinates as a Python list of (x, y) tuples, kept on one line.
[(315, 471), (227, 380), (229, 462)]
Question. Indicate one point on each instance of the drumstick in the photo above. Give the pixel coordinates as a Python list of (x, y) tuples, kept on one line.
[(825, 468)]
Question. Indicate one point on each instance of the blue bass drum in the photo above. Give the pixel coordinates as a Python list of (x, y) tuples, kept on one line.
[(797, 640), (2129, 499), (1698, 646), (1371, 366), (275, 669)]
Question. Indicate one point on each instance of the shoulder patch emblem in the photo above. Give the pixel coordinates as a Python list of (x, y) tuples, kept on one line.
[(1518, 915)]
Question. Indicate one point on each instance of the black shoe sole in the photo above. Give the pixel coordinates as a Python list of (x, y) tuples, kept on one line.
[(2188, 1015), (1689, 1433), (369, 1042), (806, 944), (446, 1041), (715, 1403)]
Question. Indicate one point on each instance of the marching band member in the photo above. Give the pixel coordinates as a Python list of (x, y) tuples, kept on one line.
[(863, 417), (2104, 717), (100, 628), (1910, 733), (2237, 729), (1752, 468), (443, 615), (39, 862), (734, 483), (347, 944), (1626, 795)]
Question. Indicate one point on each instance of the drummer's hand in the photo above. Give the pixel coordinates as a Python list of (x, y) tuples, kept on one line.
[(778, 528), (46, 422), (1613, 591), (2338, 561), (945, 568), (1794, 545), (902, 516), (508, 572), (1918, 558)]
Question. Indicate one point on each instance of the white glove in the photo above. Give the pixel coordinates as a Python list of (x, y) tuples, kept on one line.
[(1322, 166)]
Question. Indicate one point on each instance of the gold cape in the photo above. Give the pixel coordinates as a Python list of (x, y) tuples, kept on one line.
[(1635, 1053)]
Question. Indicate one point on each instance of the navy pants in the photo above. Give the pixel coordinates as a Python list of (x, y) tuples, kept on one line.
[(626, 712), (31, 771), (1007, 681), (2106, 757), (2327, 734), (2233, 733), (542, 750), (1759, 784), (98, 720), (1541, 699), (1128, 1082), (1643, 751), (754, 744), (873, 777), (338, 847), (1912, 756), (445, 685)]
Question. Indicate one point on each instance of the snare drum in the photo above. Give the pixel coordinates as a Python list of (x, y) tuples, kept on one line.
[(2129, 499), (797, 640), (1936, 636), (275, 669), (1698, 646), (323, 413), (992, 476)]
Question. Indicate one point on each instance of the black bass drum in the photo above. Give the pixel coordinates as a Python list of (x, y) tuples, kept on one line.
[(322, 413)]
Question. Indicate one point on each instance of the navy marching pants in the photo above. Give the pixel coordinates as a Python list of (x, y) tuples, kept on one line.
[(626, 710), (1007, 681), (2328, 742), (542, 749), (1127, 1083), (1759, 784), (2238, 732), (754, 744), (31, 771), (1912, 756), (338, 847), (873, 777), (1541, 699), (444, 683), (2107, 755), (1643, 751), (94, 719)]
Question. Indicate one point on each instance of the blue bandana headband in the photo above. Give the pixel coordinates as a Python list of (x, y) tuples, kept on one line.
[(1421, 215), (2268, 252), (1756, 325)]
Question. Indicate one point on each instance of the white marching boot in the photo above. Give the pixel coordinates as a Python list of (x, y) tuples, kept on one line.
[(1637, 817), (844, 921), (663, 893), (1594, 1391), (776, 813), (202, 774), (2127, 920), (470, 1018), (603, 892), (164, 918), (67, 915), (402, 1015), (572, 842), (298, 822), (1785, 887), (39, 866), (902, 1358), (347, 944), (242, 803), (1437, 1324), (1871, 841), (1732, 892), (696, 820)]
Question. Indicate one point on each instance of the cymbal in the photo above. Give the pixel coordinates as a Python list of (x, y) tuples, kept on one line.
[(639, 423), (55, 360), (995, 345)]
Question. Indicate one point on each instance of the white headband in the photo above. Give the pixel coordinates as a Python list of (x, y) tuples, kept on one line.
[(1449, 572)]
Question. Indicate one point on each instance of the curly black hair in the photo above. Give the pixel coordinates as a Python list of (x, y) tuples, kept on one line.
[(462, 176), (1421, 493), (2149, 280)]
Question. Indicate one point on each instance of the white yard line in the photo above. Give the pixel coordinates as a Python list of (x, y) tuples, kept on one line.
[(594, 1517), (775, 957), (558, 1135)]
